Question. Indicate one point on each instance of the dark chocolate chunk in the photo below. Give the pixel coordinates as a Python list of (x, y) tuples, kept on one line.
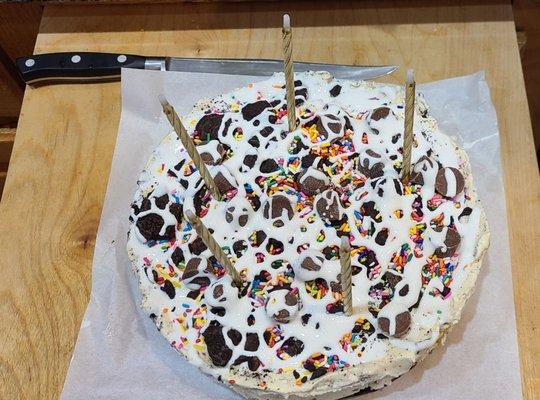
[(168, 288), (150, 225), (208, 127), (269, 165), (335, 91), (403, 322), (449, 182), (218, 351), (251, 110), (177, 256), (235, 336)]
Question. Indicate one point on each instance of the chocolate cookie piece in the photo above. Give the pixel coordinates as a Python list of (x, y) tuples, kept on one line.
[(328, 206), (251, 110), (197, 273), (423, 164), (327, 124), (223, 183), (402, 324), (197, 246), (146, 205), (177, 257), (218, 351), (168, 288), (208, 127), (381, 237), (150, 225), (274, 246), (221, 293), (279, 209), (312, 181), (451, 243), (235, 336), (335, 91), (269, 165), (240, 247), (292, 346), (370, 169), (449, 182), (161, 201), (266, 131), (177, 210), (256, 238), (252, 342), (238, 212), (254, 141), (209, 159), (253, 362), (308, 265), (282, 305), (380, 113), (250, 160)]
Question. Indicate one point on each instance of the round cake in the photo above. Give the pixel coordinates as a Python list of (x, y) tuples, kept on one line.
[(287, 200)]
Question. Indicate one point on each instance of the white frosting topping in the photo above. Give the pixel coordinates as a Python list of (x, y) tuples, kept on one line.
[(353, 146)]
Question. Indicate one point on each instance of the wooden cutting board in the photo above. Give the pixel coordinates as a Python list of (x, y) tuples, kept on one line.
[(61, 159)]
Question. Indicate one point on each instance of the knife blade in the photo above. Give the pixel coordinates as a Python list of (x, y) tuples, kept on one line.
[(81, 67)]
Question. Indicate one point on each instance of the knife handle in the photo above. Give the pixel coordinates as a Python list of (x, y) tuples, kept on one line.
[(77, 67)]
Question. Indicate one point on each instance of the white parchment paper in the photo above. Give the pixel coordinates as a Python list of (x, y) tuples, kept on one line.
[(120, 354)]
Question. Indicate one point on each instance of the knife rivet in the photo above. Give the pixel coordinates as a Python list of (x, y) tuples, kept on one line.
[(76, 58), (121, 58), (30, 62)]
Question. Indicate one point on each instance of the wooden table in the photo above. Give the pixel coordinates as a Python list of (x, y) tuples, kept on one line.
[(56, 183)]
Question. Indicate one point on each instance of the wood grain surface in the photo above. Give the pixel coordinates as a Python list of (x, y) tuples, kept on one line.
[(61, 159), (527, 17), (19, 24)]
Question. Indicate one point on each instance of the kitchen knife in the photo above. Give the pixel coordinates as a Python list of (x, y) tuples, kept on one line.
[(82, 67)]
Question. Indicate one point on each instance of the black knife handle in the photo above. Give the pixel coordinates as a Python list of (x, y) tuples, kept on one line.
[(75, 67)]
